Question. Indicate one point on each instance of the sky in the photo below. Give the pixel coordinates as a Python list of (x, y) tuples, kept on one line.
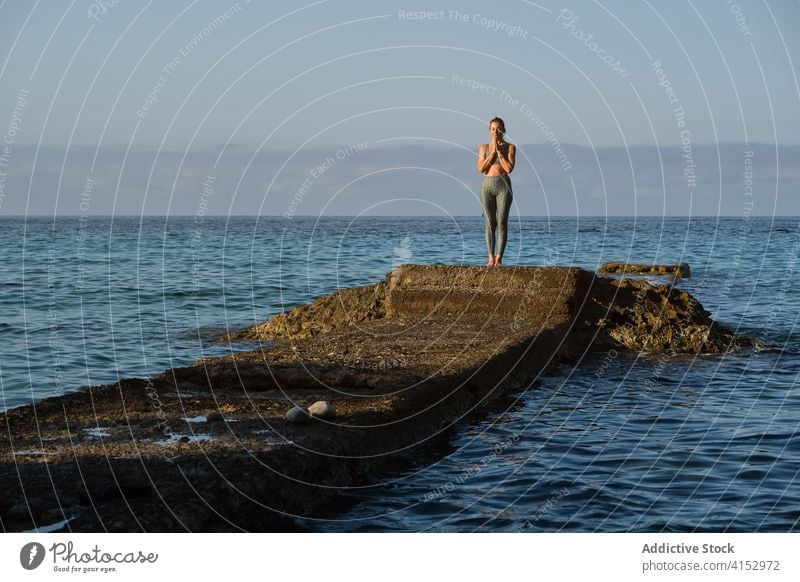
[(306, 108)]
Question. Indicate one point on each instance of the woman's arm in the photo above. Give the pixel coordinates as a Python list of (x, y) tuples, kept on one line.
[(484, 163), (507, 161)]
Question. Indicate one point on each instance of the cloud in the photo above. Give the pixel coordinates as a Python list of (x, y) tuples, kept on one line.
[(645, 180)]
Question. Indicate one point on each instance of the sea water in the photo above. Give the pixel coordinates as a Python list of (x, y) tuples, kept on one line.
[(615, 442)]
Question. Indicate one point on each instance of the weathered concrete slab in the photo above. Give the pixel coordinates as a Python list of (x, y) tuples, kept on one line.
[(540, 295)]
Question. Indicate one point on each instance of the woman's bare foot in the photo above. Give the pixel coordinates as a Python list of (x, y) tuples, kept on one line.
[(491, 261), (498, 261)]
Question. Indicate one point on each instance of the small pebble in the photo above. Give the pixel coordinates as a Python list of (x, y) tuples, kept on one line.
[(184, 439), (322, 409), (298, 415), (215, 416)]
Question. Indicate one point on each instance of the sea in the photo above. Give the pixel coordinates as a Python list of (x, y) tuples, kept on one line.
[(616, 442)]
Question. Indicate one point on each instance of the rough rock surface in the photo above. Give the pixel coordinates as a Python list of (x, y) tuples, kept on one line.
[(345, 307), (401, 361), (678, 270), (633, 313)]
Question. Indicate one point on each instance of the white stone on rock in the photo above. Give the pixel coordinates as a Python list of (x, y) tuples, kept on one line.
[(322, 409)]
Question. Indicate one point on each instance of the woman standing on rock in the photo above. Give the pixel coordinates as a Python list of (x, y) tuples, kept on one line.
[(496, 162)]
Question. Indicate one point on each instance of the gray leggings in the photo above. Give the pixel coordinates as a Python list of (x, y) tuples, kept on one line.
[(496, 197)]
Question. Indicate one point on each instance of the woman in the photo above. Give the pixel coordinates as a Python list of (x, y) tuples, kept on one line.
[(495, 162)]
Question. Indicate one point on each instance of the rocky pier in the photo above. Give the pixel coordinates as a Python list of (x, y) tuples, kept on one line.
[(373, 373)]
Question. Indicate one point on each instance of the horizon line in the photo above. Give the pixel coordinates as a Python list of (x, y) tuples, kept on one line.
[(571, 144), (738, 216)]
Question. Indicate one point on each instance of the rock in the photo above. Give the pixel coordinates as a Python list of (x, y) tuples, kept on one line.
[(215, 416), (338, 309), (442, 341), (18, 512), (298, 415), (678, 270), (322, 409)]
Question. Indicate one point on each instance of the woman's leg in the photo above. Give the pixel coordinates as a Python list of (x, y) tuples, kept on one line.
[(489, 216), (504, 199)]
